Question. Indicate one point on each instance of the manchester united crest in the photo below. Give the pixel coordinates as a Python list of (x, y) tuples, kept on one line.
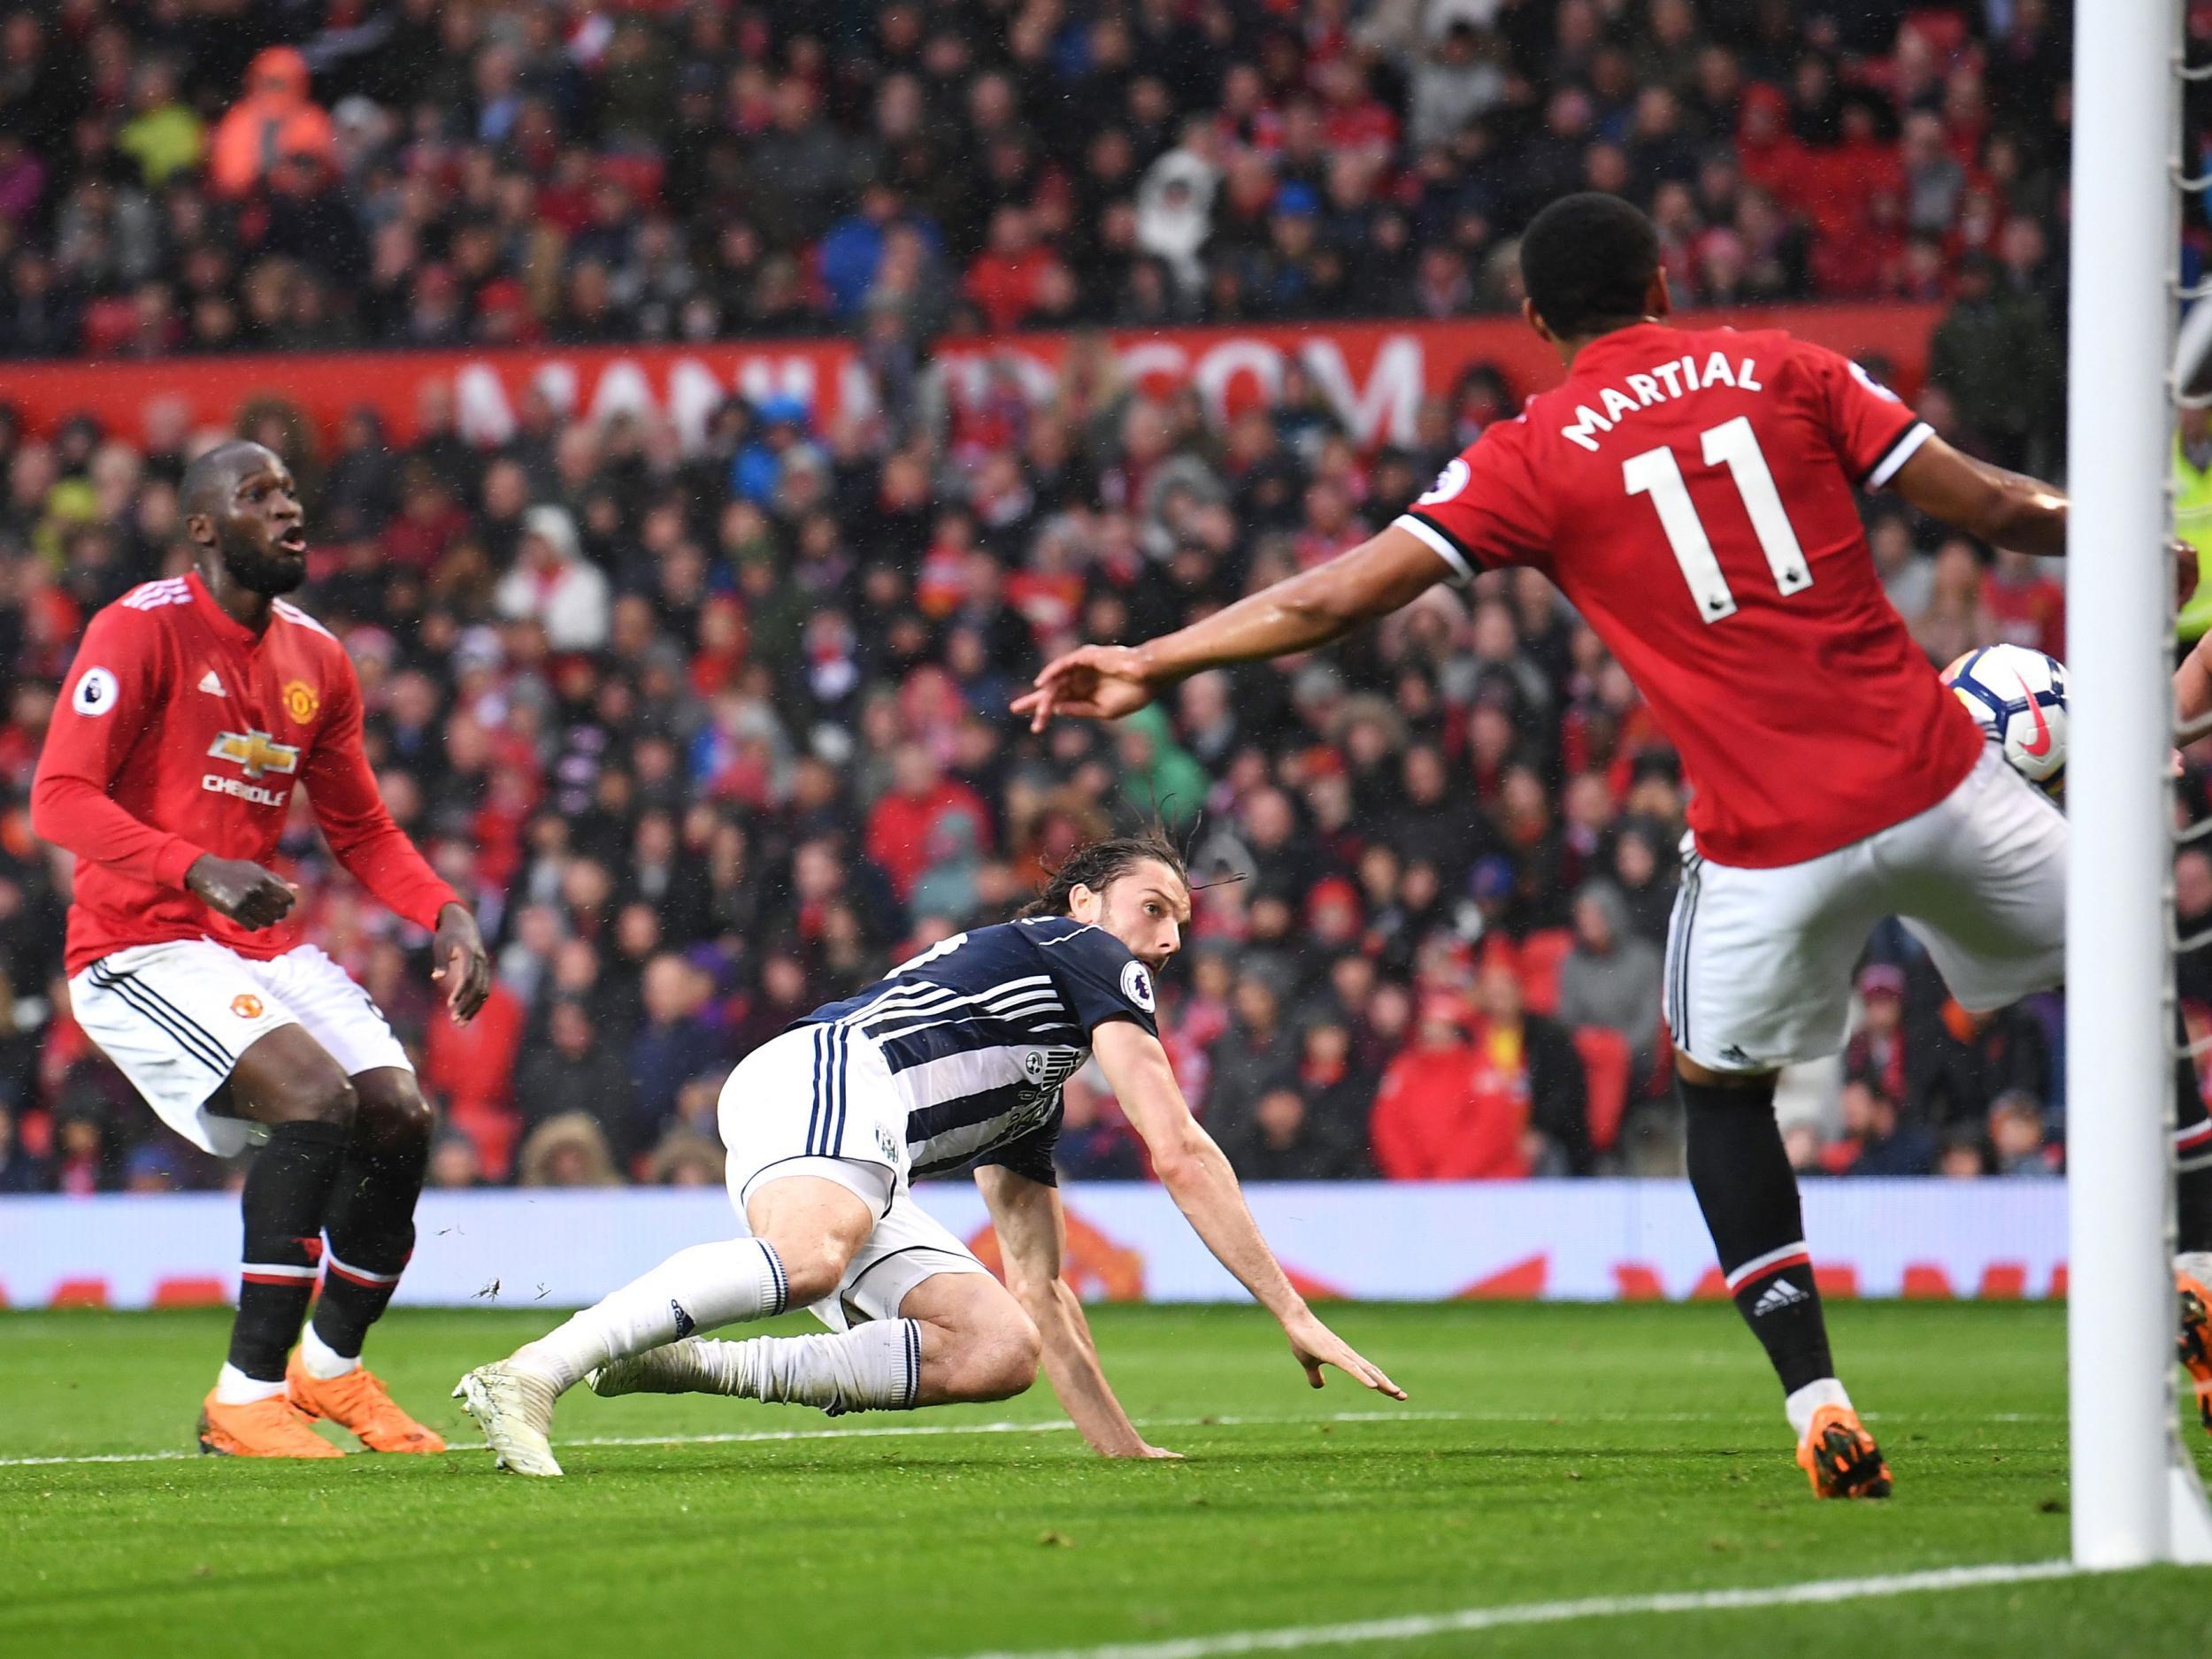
[(300, 703)]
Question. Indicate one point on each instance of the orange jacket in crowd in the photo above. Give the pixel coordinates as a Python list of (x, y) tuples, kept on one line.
[(275, 120)]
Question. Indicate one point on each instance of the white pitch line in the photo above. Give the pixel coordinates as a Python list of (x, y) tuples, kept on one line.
[(97, 1457), (1467, 1620), (1049, 1426)]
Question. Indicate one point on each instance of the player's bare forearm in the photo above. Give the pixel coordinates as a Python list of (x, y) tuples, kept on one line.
[(1297, 614), (1382, 574), (1198, 1178), (1072, 1367), (1031, 1240), (1190, 1164), (2006, 510), (1205, 1187)]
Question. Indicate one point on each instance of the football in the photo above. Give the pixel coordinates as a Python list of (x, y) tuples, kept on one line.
[(2019, 697)]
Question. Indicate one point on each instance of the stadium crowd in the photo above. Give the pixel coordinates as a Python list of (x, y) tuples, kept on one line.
[(211, 175), (711, 736)]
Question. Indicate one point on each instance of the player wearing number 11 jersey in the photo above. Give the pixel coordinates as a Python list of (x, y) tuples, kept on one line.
[(1692, 493)]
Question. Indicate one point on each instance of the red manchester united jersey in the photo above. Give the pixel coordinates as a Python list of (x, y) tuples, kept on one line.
[(180, 732), (1690, 492)]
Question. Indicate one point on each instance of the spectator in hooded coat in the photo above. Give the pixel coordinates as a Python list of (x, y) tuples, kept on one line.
[(555, 584), (275, 122), (1612, 978)]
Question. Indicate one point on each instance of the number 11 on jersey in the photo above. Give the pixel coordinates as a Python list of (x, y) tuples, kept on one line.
[(1732, 444)]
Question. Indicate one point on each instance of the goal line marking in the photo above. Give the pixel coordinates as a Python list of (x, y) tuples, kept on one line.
[(1469, 1620), (1046, 1425)]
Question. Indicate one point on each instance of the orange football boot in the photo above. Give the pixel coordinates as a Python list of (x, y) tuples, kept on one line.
[(358, 1403), (273, 1427), (1841, 1458), (2195, 1340)]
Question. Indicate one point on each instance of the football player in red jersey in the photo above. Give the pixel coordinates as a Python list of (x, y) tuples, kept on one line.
[(1690, 491), (194, 708)]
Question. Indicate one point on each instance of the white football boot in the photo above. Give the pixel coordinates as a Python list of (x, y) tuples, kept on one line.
[(515, 1408)]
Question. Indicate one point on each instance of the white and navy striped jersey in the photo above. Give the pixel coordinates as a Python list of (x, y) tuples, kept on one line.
[(980, 1032)]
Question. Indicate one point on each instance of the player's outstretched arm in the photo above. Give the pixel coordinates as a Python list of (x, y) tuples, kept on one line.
[(1104, 682), (1205, 1189), (1031, 1240), (2006, 509)]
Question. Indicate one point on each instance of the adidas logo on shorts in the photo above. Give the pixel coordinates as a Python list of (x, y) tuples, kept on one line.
[(1781, 1294), (685, 1323)]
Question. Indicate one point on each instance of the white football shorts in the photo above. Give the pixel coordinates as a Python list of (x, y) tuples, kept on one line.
[(818, 1100), (175, 1017), (1759, 962)]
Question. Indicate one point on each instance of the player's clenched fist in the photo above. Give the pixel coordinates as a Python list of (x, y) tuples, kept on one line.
[(242, 890)]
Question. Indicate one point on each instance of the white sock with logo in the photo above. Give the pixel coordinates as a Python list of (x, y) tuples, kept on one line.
[(871, 1367), (697, 1289), (233, 1387), (1826, 1391), (321, 1360)]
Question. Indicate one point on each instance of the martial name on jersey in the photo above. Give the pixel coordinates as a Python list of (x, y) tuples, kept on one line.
[(980, 1033)]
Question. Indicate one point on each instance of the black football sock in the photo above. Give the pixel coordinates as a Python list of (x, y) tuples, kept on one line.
[(371, 1229), (2193, 1155), (286, 1195), (1748, 1193)]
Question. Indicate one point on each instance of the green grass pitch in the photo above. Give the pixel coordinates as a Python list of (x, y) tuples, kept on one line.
[(1548, 1453)]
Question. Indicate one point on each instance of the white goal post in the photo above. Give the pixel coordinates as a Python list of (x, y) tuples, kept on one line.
[(2135, 1497)]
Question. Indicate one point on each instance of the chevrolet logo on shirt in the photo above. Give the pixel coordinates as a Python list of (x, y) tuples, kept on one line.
[(254, 753)]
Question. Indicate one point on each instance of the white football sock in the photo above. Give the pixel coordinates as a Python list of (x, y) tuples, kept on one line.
[(2197, 1264), (233, 1387), (321, 1360), (1802, 1404), (871, 1367), (697, 1289)]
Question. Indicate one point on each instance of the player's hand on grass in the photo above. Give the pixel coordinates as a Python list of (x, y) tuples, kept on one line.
[(1315, 1344), (1097, 682), (1140, 1450), (464, 965), (242, 890)]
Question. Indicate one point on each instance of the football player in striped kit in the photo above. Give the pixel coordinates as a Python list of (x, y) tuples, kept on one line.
[(953, 1061)]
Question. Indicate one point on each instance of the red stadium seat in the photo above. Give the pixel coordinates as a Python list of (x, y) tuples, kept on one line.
[(1942, 28), (1606, 1060), (1541, 953), (107, 324), (640, 175), (1660, 1084)]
